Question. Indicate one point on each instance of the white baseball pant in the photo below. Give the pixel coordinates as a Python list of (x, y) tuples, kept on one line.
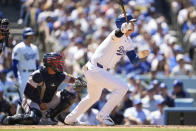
[(97, 79), (23, 78)]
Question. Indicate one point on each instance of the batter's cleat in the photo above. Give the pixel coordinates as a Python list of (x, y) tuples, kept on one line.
[(66, 122), (74, 123), (70, 123), (105, 120)]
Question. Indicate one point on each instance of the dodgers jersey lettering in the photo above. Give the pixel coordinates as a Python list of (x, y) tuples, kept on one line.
[(111, 50), (26, 55)]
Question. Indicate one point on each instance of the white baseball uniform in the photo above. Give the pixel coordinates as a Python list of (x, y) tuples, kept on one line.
[(27, 57), (107, 55)]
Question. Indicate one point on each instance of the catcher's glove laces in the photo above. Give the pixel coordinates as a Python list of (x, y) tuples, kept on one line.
[(80, 83)]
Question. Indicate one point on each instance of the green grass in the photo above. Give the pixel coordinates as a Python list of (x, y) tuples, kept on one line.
[(100, 129)]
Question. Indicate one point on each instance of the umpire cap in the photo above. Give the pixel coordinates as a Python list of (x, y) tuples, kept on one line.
[(27, 31), (121, 19)]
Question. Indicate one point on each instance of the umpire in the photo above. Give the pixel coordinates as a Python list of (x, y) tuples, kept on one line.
[(41, 93)]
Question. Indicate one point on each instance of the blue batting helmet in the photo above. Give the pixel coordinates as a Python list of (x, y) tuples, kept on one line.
[(27, 31), (121, 19)]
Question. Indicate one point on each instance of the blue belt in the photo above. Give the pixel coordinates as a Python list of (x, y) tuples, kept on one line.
[(100, 66)]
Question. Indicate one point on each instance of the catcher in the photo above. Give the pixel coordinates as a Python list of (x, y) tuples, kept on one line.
[(41, 99)]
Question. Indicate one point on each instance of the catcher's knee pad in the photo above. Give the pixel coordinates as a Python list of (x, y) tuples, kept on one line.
[(67, 97), (66, 100)]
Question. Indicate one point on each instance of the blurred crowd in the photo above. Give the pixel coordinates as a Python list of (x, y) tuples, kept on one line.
[(77, 27)]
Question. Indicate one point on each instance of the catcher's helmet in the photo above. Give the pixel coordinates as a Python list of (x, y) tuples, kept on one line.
[(27, 31), (121, 19), (55, 61)]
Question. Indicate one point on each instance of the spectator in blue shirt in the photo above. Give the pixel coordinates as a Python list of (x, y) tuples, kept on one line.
[(164, 93)]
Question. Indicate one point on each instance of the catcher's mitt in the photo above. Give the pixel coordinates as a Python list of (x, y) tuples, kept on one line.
[(80, 83)]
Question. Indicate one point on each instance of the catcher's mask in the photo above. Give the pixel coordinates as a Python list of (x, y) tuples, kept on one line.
[(55, 61)]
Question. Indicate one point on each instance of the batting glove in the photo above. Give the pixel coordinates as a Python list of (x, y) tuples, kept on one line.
[(125, 27)]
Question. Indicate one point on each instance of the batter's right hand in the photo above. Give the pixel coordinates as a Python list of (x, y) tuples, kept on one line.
[(126, 27)]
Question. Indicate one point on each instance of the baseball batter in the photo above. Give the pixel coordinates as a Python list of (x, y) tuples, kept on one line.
[(25, 59), (110, 51)]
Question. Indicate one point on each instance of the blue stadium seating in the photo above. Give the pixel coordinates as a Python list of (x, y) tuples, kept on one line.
[(184, 102)]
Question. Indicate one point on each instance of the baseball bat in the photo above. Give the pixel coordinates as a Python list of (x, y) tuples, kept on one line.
[(123, 9), (20, 97), (18, 91), (124, 12)]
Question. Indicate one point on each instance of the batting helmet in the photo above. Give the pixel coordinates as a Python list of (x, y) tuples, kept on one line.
[(121, 19), (55, 61), (27, 31)]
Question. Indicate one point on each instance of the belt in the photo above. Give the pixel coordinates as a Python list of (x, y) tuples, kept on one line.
[(101, 66), (28, 70)]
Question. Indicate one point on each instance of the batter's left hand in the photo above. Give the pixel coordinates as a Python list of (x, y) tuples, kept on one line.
[(143, 54)]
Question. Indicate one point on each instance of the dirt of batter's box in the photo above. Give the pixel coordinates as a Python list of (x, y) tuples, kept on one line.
[(66, 126)]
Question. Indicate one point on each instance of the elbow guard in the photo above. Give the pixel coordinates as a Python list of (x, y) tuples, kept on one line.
[(118, 33), (15, 68), (133, 57)]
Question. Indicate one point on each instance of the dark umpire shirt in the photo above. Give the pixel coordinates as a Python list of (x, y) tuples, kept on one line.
[(41, 79)]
